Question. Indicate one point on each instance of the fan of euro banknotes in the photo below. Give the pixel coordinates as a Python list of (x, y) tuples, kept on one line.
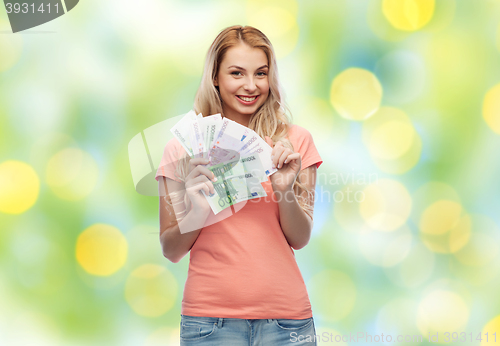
[(238, 156)]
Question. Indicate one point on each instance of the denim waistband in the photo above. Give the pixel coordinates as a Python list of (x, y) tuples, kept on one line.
[(219, 320)]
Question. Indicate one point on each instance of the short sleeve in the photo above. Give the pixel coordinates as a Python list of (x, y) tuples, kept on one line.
[(303, 143), (172, 153)]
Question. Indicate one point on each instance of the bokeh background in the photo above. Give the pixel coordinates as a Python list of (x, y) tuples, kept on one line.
[(402, 98)]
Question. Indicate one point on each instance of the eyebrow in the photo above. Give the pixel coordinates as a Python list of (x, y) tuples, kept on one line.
[(241, 68)]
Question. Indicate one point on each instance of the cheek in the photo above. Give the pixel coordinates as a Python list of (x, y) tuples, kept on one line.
[(266, 90), (229, 88), (265, 86)]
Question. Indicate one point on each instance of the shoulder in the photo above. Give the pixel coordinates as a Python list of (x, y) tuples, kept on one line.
[(173, 143), (173, 147), (299, 135), (298, 131), (172, 153)]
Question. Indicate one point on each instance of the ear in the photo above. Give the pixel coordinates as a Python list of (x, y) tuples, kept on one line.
[(215, 82)]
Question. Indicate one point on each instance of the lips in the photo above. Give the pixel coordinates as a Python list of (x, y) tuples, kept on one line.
[(246, 100)]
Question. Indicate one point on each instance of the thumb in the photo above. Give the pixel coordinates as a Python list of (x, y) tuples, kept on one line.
[(269, 141)]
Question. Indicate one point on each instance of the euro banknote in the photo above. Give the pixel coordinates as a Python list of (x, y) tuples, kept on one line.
[(234, 189), (237, 155)]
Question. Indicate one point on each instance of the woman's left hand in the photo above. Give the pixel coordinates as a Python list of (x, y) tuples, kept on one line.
[(288, 164)]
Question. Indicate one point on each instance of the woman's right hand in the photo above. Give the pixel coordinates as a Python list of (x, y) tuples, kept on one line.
[(199, 179)]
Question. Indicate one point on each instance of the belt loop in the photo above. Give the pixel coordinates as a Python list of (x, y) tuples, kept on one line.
[(219, 324), (269, 320)]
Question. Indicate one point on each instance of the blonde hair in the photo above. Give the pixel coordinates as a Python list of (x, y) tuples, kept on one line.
[(270, 119)]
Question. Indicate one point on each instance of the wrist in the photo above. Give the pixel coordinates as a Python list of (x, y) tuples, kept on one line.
[(285, 195), (281, 188), (201, 212)]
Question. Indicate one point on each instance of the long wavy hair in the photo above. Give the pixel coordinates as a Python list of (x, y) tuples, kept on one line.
[(270, 119)]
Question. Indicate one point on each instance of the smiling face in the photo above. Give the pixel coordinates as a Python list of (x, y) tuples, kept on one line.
[(243, 82)]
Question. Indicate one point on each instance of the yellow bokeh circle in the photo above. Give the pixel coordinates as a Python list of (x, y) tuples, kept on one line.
[(72, 174), (444, 226), (391, 140), (429, 193), (356, 94), (19, 187), (151, 290), (493, 330), (408, 15), (278, 19), (440, 217), (491, 108), (404, 163), (333, 293), (101, 250), (380, 26), (386, 205), (442, 311)]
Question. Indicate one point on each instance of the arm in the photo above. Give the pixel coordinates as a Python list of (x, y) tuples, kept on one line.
[(295, 222), (180, 229), (175, 245)]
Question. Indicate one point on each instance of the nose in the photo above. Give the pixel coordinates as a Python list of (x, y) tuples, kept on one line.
[(250, 85)]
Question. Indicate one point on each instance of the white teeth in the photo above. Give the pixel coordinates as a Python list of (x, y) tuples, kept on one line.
[(248, 99)]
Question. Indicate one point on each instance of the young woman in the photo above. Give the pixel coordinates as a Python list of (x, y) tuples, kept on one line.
[(244, 286)]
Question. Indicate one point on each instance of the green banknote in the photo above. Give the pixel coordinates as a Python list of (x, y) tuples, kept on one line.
[(250, 163), (232, 189)]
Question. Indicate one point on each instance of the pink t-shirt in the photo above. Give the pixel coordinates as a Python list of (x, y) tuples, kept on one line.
[(243, 266)]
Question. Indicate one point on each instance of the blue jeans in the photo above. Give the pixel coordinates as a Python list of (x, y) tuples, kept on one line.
[(215, 331)]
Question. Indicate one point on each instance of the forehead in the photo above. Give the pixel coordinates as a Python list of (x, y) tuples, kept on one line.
[(244, 56)]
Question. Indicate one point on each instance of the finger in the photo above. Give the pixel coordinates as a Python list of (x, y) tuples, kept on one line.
[(193, 163), (199, 184), (210, 187), (203, 180), (283, 157), (197, 180), (291, 157), (199, 187), (200, 170), (276, 154), (278, 149)]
